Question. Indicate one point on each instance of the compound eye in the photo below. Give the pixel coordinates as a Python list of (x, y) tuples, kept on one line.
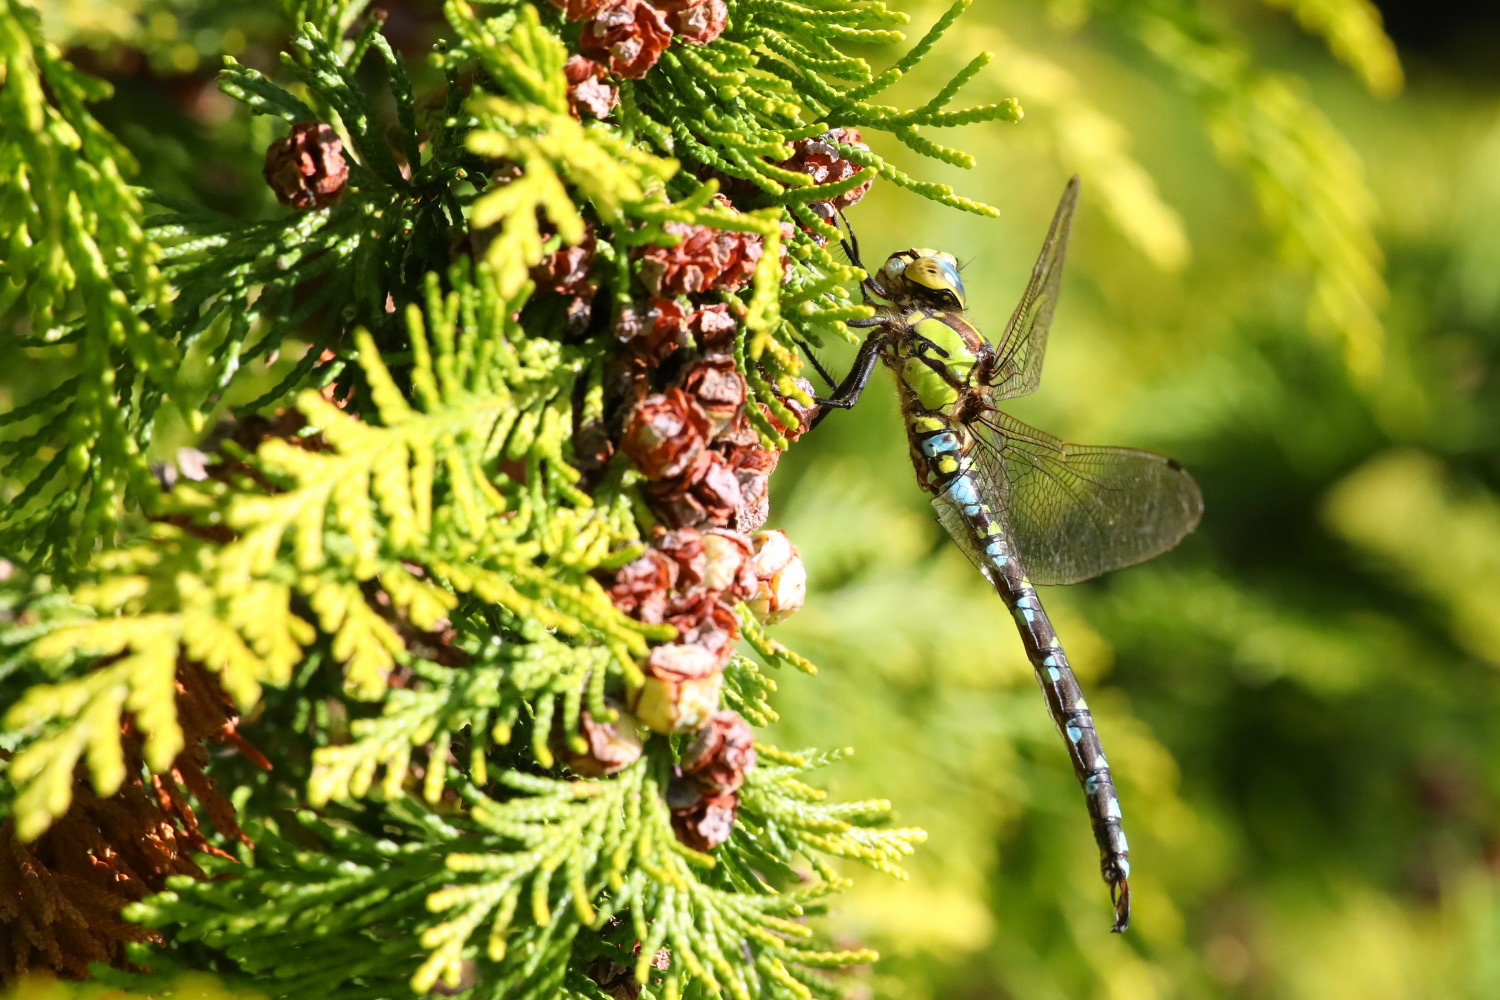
[(938, 278), (948, 300), (955, 283)]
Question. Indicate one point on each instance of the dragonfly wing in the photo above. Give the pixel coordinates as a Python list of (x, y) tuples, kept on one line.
[(1021, 348), (1076, 511)]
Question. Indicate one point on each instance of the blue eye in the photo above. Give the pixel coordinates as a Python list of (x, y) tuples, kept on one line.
[(951, 276)]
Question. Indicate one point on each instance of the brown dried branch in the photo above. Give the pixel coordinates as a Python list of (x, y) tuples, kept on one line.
[(61, 895)]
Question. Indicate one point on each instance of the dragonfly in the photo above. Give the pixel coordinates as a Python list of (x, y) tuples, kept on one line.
[(1024, 506)]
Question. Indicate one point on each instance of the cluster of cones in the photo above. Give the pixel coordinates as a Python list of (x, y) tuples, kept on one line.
[(678, 408), (693, 580), (627, 37)]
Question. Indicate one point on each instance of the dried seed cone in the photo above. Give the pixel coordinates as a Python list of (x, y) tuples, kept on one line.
[(673, 325), (705, 259), (641, 588), (565, 271), (612, 746), (307, 168), (721, 752), (752, 514), (713, 329), (783, 578), (752, 465), (820, 159), (708, 822), (685, 550), (696, 22), (718, 387), (628, 36), (709, 494), (665, 433), (588, 88)]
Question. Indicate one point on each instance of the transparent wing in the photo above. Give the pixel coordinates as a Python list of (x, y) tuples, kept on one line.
[(1020, 350), (1076, 511)]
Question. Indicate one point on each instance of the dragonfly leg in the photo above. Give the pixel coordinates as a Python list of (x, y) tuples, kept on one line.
[(849, 390), (851, 246), (807, 352)]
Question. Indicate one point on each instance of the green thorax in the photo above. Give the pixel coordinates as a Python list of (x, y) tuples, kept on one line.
[(930, 345), (933, 355)]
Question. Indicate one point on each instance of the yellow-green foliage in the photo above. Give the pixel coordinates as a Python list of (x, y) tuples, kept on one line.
[(567, 835), (308, 574), (1306, 178), (72, 234), (1354, 34), (363, 511)]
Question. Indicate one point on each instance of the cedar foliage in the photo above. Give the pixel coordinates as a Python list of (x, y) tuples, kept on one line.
[(396, 577)]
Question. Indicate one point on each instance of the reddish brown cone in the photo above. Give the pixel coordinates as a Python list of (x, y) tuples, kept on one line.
[(641, 588), (718, 387), (704, 259), (307, 168), (721, 752), (820, 159), (626, 35), (665, 433), (611, 746), (713, 329), (697, 22), (708, 822), (589, 89), (565, 271)]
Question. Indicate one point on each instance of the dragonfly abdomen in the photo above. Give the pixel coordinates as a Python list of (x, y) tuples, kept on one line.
[(940, 448), (1070, 712)]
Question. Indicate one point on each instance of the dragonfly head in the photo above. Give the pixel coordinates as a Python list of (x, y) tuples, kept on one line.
[(923, 276)]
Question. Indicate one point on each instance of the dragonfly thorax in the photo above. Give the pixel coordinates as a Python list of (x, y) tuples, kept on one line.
[(934, 355)]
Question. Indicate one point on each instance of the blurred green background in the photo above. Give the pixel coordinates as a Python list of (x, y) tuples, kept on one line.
[(1285, 272), (1300, 701)]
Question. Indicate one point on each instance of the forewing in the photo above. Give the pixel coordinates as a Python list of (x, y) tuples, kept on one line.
[(1024, 343), (1076, 511)]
